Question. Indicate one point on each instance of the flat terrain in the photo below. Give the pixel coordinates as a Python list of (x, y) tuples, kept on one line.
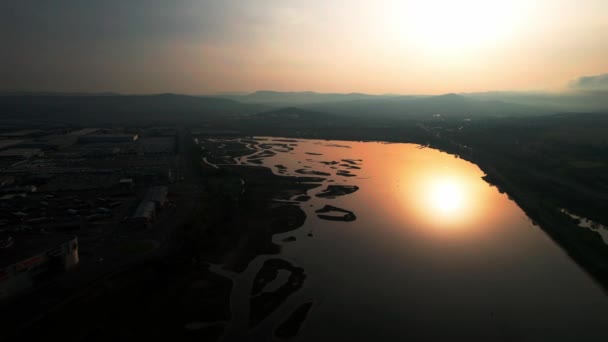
[(223, 213)]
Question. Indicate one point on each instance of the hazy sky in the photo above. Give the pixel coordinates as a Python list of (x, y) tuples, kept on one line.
[(374, 46)]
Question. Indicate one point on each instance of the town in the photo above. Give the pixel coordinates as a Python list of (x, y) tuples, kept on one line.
[(80, 196)]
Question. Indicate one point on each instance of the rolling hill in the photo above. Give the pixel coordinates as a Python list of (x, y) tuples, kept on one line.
[(420, 107), (120, 108)]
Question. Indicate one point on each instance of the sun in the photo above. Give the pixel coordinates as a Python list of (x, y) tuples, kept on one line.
[(443, 25)]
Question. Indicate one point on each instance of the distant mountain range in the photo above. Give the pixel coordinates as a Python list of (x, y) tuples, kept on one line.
[(112, 108), (51, 93), (534, 102), (297, 98), (420, 107), (120, 108), (563, 102), (463, 104), (296, 114)]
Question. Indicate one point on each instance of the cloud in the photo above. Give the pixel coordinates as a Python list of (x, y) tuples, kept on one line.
[(591, 83)]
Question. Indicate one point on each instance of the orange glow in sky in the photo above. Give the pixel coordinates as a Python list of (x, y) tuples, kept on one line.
[(419, 46), (371, 46)]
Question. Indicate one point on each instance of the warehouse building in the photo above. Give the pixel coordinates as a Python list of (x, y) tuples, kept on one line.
[(144, 214), (154, 200), (20, 153), (26, 261), (157, 195), (107, 138), (4, 144)]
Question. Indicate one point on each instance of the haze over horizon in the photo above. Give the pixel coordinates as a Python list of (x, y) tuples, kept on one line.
[(375, 47)]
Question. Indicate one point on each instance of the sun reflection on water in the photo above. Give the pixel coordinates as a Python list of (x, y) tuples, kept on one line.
[(446, 197), (446, 192), (423, 190)]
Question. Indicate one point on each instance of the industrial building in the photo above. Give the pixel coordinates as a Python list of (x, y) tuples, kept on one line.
[(107, 138), (4, 144), (154, 200), (20, 153), (144, 214), (157, 195), (28, 133), (7, 180), (157, 146), (84, 131), (26, 261)]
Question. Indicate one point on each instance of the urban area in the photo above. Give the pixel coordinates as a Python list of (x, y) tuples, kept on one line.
[(83, 196)]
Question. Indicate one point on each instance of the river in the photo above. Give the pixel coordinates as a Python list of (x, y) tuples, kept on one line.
[(431, 252)]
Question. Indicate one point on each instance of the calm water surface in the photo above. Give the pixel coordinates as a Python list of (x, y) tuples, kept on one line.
[(435, 253)]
